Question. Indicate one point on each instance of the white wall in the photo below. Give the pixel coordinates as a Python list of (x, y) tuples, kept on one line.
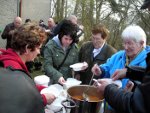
[(33, 9), (8, 11), (36, 9)]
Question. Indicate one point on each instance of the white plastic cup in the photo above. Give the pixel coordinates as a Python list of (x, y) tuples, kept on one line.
[(42, 80)]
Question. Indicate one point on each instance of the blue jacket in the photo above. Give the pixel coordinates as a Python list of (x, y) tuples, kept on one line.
[(118, 60)]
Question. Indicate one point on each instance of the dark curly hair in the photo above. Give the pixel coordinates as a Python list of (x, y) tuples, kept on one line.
[(29, 35), (68, 28)]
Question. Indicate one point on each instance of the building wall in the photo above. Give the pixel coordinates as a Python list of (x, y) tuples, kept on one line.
[(8, 10), (33, 9), (36, 10)]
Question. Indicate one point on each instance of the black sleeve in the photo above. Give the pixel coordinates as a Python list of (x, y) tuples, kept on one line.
[(135, 73), (118, 99), (56, 30), (125, 102), (5, 33)]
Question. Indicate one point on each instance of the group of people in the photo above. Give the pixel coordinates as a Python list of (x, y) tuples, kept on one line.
[(137, 100), (25, 46), (25, 41), (134, 54)]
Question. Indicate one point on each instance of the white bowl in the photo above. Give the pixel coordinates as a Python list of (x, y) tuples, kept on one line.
[(79, 66), (53, 89), (117, 82), (60, 94), (71, 82), (42, 80)]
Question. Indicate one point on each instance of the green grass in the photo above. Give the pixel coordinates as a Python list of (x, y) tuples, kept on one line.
[(38, 72)]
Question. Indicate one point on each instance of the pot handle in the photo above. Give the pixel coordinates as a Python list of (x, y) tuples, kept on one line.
[(71, 105)]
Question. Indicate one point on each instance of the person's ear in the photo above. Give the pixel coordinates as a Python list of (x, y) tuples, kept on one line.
[(142, 43), (27, 50)]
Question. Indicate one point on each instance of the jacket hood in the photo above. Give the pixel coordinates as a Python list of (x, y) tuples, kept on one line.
[(11, 55), (56, 39)]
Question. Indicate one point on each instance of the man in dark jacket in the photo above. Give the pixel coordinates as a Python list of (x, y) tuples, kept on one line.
[(9, 29), (137, 101), (74, 20)]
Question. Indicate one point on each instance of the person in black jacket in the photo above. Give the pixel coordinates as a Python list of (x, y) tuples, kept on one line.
[(74, 20), (137, 101), (9, 29)]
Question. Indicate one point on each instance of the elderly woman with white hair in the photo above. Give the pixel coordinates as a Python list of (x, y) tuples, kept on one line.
[(134, 54)]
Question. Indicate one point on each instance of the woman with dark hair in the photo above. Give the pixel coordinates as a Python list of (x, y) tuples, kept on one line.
[(60, 53)]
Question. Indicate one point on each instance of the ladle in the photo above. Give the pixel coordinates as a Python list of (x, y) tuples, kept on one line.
[(85, 96)]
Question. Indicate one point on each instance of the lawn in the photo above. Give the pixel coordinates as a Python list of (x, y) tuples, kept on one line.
[(36, 72)]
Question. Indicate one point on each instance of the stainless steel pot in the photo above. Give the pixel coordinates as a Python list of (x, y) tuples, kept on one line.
[(80, 105)]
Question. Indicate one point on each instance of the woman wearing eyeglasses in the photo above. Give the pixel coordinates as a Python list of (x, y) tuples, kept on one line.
[(134, 54)]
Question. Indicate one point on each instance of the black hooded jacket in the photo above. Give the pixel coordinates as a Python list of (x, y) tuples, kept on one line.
[(131, 102)]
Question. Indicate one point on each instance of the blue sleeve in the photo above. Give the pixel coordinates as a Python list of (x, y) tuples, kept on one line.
[(124, 82), (105, 68)]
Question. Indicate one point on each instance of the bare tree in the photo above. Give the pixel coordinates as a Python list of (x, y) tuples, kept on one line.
[(115, 14)]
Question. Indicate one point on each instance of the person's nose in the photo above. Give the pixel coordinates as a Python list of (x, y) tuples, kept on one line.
[(38, 51), (68, 41), (126, 46), (94, 40)]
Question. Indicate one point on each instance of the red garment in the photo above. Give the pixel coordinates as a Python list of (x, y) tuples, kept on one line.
[(10, 58)]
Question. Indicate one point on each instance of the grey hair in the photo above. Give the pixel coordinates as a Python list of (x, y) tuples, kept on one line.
[(70, 17), (135, 33)]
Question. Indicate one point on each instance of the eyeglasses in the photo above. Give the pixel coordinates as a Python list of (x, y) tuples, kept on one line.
[(96, 38), (129, 44)]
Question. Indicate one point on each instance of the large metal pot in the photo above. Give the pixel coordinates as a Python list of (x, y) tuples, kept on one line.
[(82, 105)]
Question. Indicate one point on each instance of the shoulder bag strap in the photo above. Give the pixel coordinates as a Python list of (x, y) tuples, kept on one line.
[(64, 59)]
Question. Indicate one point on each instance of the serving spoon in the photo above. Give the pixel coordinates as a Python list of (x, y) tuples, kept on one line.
[(85, 96)]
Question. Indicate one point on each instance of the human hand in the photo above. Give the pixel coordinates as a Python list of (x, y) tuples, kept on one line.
[(102, 83), (96, 70), (119, 73), (11, 32), (129, 86), (96, 83), (49, 97), (61, 80), (85, 66)]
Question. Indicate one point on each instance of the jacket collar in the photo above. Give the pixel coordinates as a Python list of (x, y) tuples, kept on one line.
[(101, 55)]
